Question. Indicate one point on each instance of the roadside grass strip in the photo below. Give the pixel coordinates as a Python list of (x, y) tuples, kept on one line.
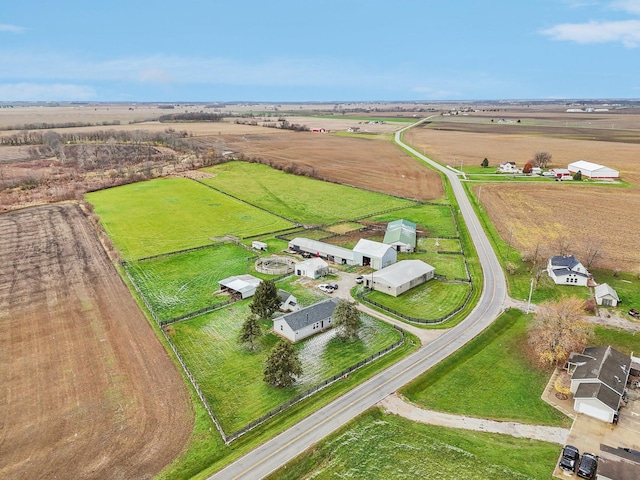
[(380, 446), (430, 301), (170, 214), (300, 199), (180, 284), (490, 377), (231, 377)]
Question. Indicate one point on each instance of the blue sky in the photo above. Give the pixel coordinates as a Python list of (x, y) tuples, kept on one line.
[(321, 50)]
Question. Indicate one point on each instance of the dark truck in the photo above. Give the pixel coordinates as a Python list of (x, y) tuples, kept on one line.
[(569, 459)]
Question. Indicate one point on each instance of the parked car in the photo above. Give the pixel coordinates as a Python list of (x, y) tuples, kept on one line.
[(588, 466), (325, 288), (359, 279), (634, 313), (569, 459), (333, 285)]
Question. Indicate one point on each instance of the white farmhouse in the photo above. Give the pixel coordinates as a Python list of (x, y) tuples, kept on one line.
[(400, 277), (508, 167), (567, 270), (312, 268), (592, 170), (308, 321), (374, 254)]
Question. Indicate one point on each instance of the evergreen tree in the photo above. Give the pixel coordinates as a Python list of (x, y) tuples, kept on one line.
[(346, 319), (265, 300), (282, 365), (250, 332), (577, 176), (485, 163)]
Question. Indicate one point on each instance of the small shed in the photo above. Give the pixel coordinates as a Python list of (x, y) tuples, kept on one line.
[(312, 268), (606, 296), (243, 286), (259, 245), (305, 322), (398, 278), (592, 170), (374, 254)]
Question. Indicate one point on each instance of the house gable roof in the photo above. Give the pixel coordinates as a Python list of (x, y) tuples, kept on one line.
[(310, 315), (605, 364), (600, 392), (568, 261)]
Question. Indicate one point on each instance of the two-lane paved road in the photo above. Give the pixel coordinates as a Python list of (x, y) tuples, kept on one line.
[(292, 442)]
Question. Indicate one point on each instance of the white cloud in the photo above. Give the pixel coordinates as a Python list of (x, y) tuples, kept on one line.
[(626, 32), (631, 6), (5, 27), (44, 92)]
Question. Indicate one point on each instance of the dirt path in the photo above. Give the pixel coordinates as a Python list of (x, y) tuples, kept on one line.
[(397, 406), (86, 388)]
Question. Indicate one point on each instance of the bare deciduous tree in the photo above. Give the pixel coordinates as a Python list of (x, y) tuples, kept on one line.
[(592, 251), (541, 159)]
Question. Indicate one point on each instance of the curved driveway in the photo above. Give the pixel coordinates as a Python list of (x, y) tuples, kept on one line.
[(292, 442)]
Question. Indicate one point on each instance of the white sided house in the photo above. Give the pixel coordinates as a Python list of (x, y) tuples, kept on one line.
[(606, 296), (401, 235), (598, 379), (243, 286), (308, 321), (332, 253), (508, 167), (312, 268), (592, 170), (374, 254), (567, 270), (398, 278)]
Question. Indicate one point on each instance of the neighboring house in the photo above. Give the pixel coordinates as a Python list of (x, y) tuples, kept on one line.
[(327, 251), (401, 234), (561, 173), (288, 303), (307, 321), (618, 463), (592, 170), (259, 245), (508, 167), (400, 277), (606, 296), (312, 268), (598, 379), (374, 254), (243, 286), (567, 270)]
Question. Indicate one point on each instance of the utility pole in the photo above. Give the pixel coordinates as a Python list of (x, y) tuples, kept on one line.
[(530, 292)]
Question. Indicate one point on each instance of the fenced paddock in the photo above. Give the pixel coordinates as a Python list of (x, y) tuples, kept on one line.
[(275, 265)]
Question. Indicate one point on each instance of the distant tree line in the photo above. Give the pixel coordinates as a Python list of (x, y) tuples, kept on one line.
[(192, 117), (46, 126)]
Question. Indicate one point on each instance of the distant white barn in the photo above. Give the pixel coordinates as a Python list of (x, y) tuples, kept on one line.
[(313, 268), (398, 278), (592, 170), (374, 254)]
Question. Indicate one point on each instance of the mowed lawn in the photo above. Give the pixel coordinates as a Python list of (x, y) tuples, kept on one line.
[(183, 283), (300, 199), (170, 214), (430, 301), (431, 220), (490, 377), (231, 377), (376, 446)]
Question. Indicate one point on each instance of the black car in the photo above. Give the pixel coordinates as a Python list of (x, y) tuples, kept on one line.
[(569, 459), (588, 466)]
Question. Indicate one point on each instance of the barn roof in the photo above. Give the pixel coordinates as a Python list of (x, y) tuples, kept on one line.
[(315, 263), (371, 248), (402, 272), (315, 246), (240, 283), (400, 231)]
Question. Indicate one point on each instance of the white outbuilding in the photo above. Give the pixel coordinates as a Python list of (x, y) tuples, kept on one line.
[(606, 295), (374, 254), (312, 268), (592, 170), (332, 253), (243, 286), (400, 277)]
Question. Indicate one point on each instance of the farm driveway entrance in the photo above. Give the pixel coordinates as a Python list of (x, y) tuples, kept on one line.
[(86, 388)]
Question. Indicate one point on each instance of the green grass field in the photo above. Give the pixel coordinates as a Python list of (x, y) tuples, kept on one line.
[(186, 282), (231, 377), (378, 446), (430, 301), (431, 220), (300, 199), (490, 377), (170, 214)]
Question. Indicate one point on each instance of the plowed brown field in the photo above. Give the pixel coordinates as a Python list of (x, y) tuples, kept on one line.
[(86, 389)]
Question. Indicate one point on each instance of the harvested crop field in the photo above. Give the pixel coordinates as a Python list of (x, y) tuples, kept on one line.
[(88, 391)]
